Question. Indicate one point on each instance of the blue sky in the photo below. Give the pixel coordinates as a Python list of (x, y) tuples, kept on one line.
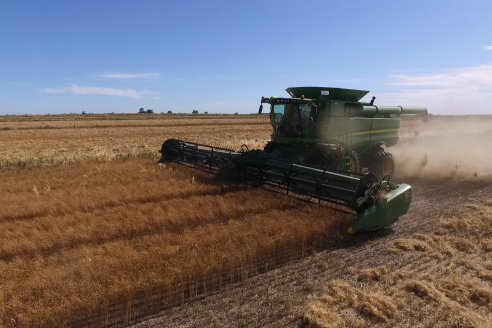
[(222, 56)]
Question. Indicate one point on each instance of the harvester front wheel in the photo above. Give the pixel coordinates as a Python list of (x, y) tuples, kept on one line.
[(382, 164)]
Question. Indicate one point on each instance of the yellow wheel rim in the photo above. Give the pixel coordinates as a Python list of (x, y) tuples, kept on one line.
[(387, 168), (353, 167)]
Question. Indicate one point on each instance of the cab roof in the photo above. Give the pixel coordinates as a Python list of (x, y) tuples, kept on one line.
[(327, 93)]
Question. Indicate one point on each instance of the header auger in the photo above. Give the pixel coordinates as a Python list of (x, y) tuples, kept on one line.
[(325, 145)]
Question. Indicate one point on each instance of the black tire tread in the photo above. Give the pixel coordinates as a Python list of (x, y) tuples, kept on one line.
[(378, 159)]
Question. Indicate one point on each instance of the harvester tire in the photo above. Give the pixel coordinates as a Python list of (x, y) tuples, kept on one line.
[(382, 164)]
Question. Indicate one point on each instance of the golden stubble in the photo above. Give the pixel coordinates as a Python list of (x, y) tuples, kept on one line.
[(442, 279), (59, 140), (78, 235)]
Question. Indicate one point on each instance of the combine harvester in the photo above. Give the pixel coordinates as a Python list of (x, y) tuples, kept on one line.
[(326, 145)]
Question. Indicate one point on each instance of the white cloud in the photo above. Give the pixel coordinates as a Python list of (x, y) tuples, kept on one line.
[(85, 90), (470, 77), (140, 76), (465, 90), (488, 47)]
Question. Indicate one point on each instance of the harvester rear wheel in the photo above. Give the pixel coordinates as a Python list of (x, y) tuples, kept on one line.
[(382, 164)]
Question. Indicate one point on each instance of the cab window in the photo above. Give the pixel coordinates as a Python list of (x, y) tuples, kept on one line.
[(292, 120)]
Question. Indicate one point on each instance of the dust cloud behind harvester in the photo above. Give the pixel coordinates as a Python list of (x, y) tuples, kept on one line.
[(445, 148)]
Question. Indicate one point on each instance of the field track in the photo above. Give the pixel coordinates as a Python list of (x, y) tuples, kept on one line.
[(278, 298)]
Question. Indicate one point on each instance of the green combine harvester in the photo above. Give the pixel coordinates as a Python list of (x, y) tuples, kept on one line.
[(326, 145)]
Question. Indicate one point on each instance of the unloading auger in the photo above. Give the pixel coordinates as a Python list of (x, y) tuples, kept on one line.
[(326, 145)]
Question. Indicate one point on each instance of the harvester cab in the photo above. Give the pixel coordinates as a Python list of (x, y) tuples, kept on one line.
[(326, 145)]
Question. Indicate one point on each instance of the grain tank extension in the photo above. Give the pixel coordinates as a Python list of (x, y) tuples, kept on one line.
[(325, 144)]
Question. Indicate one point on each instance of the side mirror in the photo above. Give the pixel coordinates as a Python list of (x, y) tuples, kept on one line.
[(260, 109)]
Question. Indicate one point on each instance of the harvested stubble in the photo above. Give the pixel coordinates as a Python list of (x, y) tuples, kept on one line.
[(442, 279), (75, 236), (107, 140), (158, 121)]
